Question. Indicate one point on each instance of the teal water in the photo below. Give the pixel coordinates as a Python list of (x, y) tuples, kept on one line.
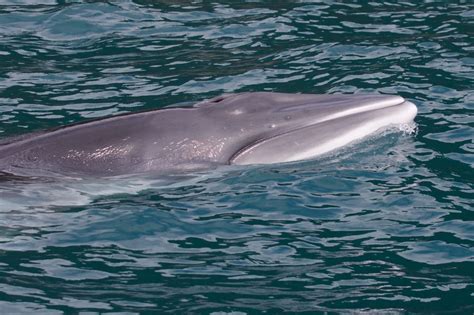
[(382, 226)]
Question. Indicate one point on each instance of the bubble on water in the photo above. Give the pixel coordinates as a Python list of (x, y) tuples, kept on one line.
[(409, 128), (406, 129)]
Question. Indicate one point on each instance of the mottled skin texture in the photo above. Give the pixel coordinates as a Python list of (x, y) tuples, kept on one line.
[(212, 132)]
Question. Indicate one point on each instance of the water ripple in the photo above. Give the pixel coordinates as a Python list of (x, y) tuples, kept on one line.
[(383, 226)]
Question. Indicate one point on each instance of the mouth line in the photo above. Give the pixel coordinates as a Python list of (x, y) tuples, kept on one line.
[(389, 103), (392, 102)]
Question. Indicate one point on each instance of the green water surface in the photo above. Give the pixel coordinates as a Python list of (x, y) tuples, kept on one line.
[(383, 226)]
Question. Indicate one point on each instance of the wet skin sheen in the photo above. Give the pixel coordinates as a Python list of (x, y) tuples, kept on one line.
[(247, 128)]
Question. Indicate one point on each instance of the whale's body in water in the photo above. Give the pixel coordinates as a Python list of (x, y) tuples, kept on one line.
[(246, 128)]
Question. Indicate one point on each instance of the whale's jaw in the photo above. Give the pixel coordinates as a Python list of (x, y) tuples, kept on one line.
[(245, 128), (328, 132)]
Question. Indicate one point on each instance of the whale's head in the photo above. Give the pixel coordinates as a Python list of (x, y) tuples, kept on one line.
[(278, 127), (247, 128)]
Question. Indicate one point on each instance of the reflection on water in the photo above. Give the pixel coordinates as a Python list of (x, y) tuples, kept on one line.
[(385, 224)]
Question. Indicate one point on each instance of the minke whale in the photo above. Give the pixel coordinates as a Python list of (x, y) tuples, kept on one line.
[(239, 129)]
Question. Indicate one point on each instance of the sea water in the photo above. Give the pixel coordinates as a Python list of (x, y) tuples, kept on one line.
[(382, 226)]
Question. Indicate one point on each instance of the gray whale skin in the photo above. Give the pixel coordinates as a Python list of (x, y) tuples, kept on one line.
[(246, 128)]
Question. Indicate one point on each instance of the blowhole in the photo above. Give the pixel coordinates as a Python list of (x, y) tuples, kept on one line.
[(218, 99)]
